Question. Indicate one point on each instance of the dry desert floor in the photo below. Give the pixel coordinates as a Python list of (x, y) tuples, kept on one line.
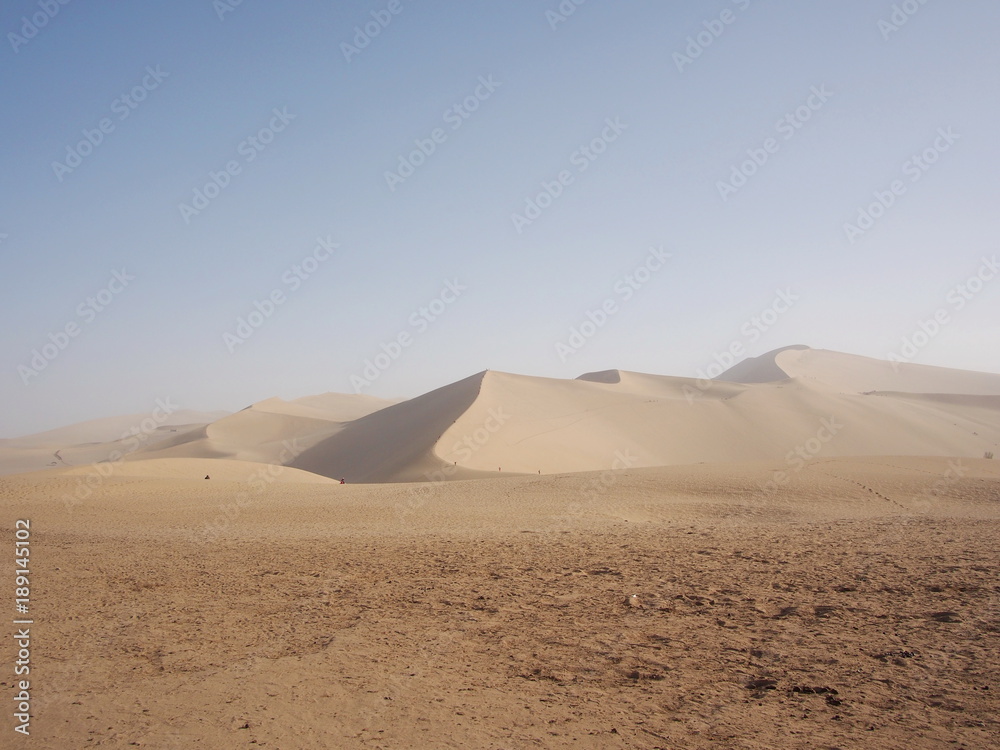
[(855, 606)]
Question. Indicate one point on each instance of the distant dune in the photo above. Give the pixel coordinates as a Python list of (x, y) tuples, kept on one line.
[(796, 404), (850, 373), (96, 440), (791, 405), (271, 431)]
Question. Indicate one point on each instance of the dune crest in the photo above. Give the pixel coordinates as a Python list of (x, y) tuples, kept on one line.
[(395, 443), (852, 373), (790, 405)]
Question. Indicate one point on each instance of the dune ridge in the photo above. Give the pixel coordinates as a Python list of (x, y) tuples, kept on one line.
[(792, 404)]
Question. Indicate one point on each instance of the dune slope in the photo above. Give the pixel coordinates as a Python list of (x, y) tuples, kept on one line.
[(793, 405), (851, 373), (395, 443)]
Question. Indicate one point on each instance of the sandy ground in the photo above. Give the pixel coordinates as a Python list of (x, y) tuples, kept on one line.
[(857, 605)]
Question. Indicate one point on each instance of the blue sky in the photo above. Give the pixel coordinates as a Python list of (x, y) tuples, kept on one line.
[(539, 157)]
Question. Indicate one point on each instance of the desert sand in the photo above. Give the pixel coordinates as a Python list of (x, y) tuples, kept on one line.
[(94, 441), (256, 433), (495, 423), (681, 607), (803, 555)]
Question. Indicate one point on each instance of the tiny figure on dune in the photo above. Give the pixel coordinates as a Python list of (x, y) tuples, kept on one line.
[(342, 481), (206, 476)]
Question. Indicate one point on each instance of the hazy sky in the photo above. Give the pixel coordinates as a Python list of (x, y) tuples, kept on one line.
[(477, 180)]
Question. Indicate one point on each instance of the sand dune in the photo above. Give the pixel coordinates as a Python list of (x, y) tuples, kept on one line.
[(395, 443), (270, 431), (762, 369), (342, 407), (851, 373), (833, 405), (109, 429), (248, 435), (654, 562), (581, 426), (96, 440), (791, 404)]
